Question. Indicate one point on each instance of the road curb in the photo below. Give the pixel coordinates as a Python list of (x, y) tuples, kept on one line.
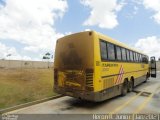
[(28, 104)]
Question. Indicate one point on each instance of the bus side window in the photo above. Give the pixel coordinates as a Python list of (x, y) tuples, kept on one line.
[(128, 58), (143, 59), (123, 54), (147, 59), (103, 47), (140, 58), (131, 55), (118, 53), (111, 51), (135, 57)]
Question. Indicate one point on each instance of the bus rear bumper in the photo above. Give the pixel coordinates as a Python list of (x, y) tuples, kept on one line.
[(84, 95)]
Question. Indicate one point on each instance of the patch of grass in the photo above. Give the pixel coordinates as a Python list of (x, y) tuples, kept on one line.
[(19, 86)]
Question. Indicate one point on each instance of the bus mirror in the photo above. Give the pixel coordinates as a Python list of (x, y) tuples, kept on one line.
[(153, 68)]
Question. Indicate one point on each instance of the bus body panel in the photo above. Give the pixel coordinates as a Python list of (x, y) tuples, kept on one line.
[(103, 69), (73, 66)]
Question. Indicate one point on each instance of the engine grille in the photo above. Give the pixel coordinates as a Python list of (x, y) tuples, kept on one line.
[(89, 78)]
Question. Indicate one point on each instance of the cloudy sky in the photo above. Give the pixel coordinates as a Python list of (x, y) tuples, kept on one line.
[(29, 28)]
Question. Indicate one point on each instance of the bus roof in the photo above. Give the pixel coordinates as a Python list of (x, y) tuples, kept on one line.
[(109, 39)]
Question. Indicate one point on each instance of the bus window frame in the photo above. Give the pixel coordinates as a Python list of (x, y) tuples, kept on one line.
[(115, 53)]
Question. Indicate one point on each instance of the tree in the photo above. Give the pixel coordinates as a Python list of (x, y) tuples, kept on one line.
[(159, 59), (47, 56)]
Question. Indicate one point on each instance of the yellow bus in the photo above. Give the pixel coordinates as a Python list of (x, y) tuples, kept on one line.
[(91, 66)]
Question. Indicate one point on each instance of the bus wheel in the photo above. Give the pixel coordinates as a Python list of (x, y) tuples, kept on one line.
[(130, 86), (147, 77), (124, 88)]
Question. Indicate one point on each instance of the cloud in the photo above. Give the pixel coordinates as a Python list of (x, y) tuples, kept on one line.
[(103, 12), (87, 29), (4, 50), (155, 6), (12, 52), (149, 45), (138, 2), (31, 49), (31, 22), (135, 10)]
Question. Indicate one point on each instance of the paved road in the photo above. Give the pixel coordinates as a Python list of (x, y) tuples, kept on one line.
[(134, 102)]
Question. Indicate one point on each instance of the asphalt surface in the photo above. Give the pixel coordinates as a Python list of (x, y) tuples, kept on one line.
[(145, 99)]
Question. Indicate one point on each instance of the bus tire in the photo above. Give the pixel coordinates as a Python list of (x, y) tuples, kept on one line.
[(147, 77), (130, 86), (124, 88)]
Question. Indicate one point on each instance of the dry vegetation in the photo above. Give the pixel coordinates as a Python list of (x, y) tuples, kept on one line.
[(24, 85)]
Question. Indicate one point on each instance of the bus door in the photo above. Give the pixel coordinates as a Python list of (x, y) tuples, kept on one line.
[(153, 67)]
